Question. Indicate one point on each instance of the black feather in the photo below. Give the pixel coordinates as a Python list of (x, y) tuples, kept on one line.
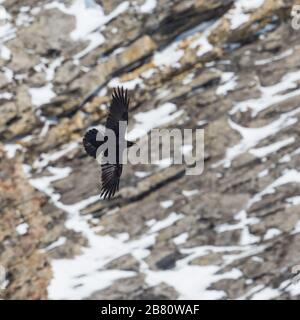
[(111, 172), (118, 110), (92, 140)]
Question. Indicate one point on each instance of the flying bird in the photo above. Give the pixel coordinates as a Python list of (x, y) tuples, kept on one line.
[(111, 172)]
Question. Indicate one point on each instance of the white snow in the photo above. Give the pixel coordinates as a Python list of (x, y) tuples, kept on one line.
[(59, 242), (294, 289), (239, 15), (153, 119), (271, 95), (285, 158), (90, 18), (8, 74), (148, 73), (96, 39), (288, 176), (167, 204), (181, 238), (11, 149), (201, 123), (294, 201), (271, 233), (49, 67), (5, 53), (47, 123), (4, 15), (45, 159), (266, 294), (246, 237), (192, 281), (36, 10), (188, 79), (7, 30), (164, 163), (205, 46), (25, 9), (23, 18), (162, 224), (190, 193), (251, 291), (263, 173), (68, 273), (274, 58), (169, 56), (148, 6), (88, 15), (141, 174), (22, 229), (274, 147), (228, 83), (6, 95), (81, 276), (114, 30), (202, 41), (253, 136), (42, 95)]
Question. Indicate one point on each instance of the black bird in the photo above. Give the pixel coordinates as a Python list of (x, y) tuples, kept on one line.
[(111, 173)]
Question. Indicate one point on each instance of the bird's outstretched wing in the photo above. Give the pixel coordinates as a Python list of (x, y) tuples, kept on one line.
[(111, 174), (118, 110)]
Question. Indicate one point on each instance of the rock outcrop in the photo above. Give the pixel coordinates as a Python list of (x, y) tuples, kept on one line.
[(229, 67)]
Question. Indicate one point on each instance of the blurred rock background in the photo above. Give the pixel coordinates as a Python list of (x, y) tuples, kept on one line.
[(230, 67)]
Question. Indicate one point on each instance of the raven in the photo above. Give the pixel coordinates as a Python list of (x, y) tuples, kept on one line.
[(111, 173)]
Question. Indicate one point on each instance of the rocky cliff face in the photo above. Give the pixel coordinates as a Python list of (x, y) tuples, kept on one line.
[(230, 67)]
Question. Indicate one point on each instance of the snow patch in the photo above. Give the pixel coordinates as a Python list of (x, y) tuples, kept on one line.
[(253, 136), (288, 176), (90, 18), (271, 95), (167, 204), (162, 224), (42, 95), (266, 294), (274, 147), (148, 6), (228, 83), (275, 58), (11, 149), (272, 233), (239, 15), (22, 229), (190, 193), (153, 119), (169, 56), (181, 238)]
